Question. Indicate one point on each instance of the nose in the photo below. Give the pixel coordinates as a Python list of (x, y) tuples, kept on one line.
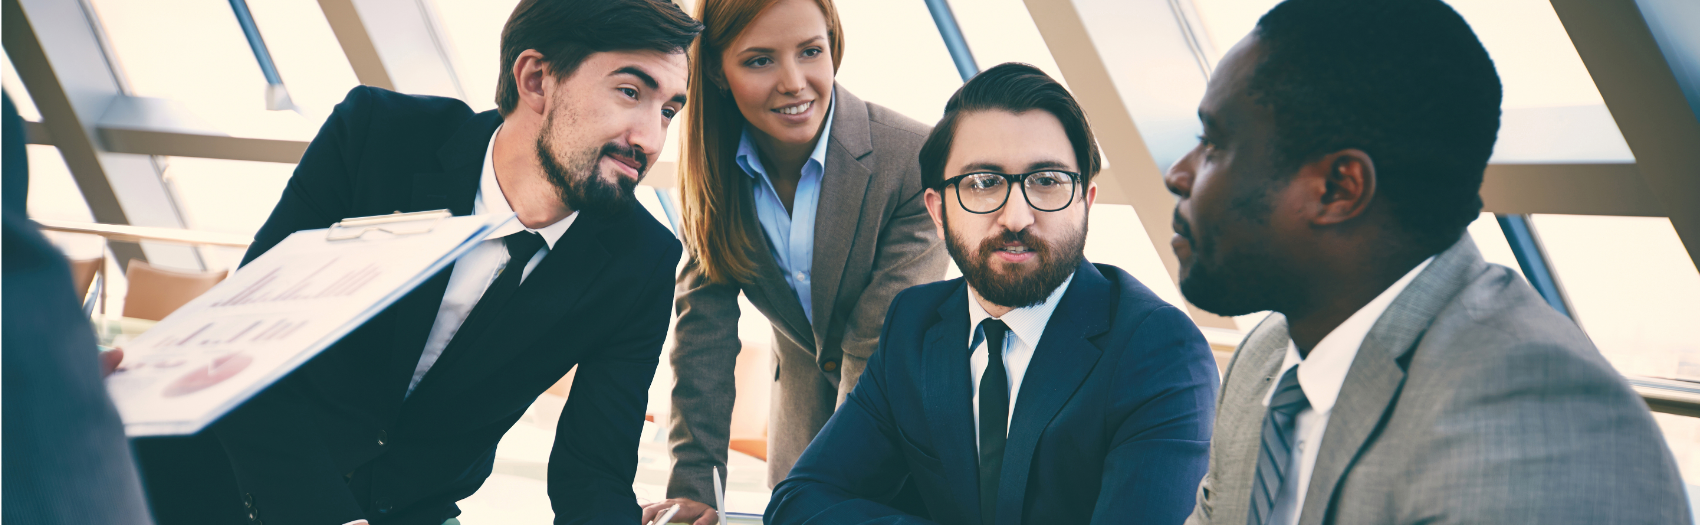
[(1179, 177), (791, 80), (647, 138), (1016, 215)]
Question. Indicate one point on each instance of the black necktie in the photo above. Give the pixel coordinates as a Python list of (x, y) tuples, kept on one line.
[(994, 418), (522, 246)]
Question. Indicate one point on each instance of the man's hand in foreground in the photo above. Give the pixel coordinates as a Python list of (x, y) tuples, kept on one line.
[(689, 512)]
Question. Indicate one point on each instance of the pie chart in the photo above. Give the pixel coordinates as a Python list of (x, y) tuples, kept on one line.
[(221, 368)]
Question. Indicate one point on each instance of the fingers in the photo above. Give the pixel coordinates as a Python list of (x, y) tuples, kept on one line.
[(109, 361), (709, 517)]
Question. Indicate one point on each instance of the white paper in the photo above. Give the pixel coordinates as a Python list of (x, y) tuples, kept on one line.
[(273, 315)]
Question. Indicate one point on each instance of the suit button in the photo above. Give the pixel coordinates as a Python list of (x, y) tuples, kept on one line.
[(253, 515), (382, 438), (248, 500), (830, 366)]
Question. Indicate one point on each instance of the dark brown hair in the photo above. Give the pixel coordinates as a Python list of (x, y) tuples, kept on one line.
[(708, 171), (1016, 88), (568, 31)]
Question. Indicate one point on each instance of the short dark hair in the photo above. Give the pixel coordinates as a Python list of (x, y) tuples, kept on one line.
[(568, 31), (1016, 88), (1406, 81)]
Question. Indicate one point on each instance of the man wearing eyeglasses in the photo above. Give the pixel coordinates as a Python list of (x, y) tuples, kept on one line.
[(1038, 388)]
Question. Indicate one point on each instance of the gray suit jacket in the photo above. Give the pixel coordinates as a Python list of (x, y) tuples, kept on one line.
[(1470, 401), (873, 238)]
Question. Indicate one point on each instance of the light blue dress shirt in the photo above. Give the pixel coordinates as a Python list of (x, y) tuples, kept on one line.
[(790, 236)]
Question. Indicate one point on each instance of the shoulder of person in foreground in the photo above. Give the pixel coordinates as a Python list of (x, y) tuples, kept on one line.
[(1530, 423)]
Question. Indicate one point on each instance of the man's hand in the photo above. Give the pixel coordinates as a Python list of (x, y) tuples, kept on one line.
[(109, 361), (689, 512)]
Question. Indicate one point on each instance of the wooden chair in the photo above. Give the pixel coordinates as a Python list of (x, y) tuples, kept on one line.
[(155, 293)]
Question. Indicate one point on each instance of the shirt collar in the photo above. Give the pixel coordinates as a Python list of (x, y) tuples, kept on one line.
[(491, 200), (1323, 373), (1028, 323), (749, 159)]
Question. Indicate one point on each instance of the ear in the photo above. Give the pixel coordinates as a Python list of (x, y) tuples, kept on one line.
[(530, 75), (1091, 195), (1348, 185), (935, 207)]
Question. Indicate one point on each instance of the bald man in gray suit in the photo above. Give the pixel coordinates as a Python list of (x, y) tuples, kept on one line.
[(1402, 378)]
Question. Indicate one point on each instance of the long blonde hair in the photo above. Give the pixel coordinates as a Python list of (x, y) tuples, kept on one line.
[(708, 171)]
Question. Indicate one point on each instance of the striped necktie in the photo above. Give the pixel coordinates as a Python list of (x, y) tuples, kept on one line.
[(1277, 453)]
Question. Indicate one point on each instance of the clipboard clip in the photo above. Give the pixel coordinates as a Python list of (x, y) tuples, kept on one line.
[(397, 223)]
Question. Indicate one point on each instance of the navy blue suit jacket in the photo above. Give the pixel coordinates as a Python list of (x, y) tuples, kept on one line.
[(1112, 423), (335, 441)]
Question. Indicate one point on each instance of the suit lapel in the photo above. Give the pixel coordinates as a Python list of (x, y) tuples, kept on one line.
[(1238, 435), (454, 188), (1062, 360), (1377, 373), (844, 189), (770, 285), (947, 394)]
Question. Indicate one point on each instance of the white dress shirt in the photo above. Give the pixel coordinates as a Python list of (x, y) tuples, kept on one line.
[(474, 272), (1321, 375), (1025, 327)]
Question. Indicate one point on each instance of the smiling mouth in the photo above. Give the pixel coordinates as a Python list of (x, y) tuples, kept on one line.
[(797, 109), (1015, 249)]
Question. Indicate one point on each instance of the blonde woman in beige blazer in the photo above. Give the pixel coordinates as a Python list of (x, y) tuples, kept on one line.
[(771, 145)]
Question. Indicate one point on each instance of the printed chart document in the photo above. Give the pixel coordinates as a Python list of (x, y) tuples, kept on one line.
[(277, 312)]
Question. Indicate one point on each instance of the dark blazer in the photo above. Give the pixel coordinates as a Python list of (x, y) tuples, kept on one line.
[(64, 459), (335, 441), (1112, 423)]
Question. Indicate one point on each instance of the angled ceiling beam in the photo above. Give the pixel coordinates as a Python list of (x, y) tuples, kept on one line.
[(58, 52), (395, 44), (1640, 84), (1152, 85)]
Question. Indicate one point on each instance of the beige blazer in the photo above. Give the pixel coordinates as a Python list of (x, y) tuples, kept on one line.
[(873, 238), (1470, 401)]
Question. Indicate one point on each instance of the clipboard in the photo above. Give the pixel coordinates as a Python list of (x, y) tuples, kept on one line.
[(282, 309)]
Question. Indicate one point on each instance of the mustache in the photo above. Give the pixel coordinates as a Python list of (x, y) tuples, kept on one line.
[(997, 242), (615, 150)]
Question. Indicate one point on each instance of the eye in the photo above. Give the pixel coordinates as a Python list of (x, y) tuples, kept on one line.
[(758, 62), (668, 113), (1045, 179), (629, 92), (813, 52)]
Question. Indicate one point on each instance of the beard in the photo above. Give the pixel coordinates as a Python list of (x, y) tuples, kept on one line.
[(580, 182), (1230, 283), (1011, 287)]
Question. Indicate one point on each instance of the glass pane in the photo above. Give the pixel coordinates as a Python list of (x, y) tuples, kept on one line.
[(894, 57), (228, 196), (1001, 31), (15, 88), (474, 31), (1116, 236), (195, 54), (1634, 288), (306, 52), (1552, 111), (1537, 63)]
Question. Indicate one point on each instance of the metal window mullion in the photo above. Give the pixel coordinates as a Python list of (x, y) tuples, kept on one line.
[(953, 39)]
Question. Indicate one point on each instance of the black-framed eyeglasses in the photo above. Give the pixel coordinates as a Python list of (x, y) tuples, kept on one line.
[(987, 191)]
